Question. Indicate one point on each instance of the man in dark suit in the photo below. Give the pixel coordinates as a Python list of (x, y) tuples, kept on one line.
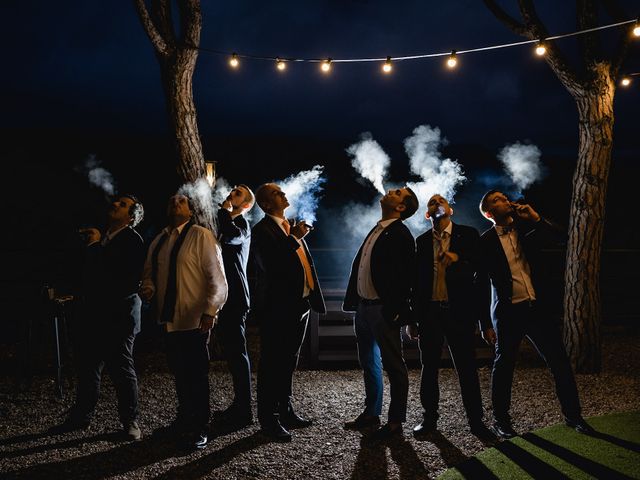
[(234, 235), (511, 254), (379, 291), (286, 287), (446, 305), (110, 316)]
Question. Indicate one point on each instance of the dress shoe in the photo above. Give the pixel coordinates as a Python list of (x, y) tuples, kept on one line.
[(424, 428), (580, 425), (293, 420), (199, 441), (69, 425), (133, 432), (362, 421), (386, 432), (503, 430), (238, 420), (275, 431), (480, 430)]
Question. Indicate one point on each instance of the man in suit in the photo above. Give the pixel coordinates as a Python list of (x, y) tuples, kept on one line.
[(511, 254), (234, 235), (379, 291), (446, 306), (110, 316), (184, 274), (286, 287)]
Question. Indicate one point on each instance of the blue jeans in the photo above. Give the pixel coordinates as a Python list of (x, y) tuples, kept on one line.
[(380, 346)]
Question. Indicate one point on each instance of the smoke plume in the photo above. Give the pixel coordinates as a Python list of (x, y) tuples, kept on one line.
[(522, 164), (303, 192), (200, 193), (438, 175), (370, 160), (97, 175)]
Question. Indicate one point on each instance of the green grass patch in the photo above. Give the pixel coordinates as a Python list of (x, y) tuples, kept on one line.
[(559, 451)]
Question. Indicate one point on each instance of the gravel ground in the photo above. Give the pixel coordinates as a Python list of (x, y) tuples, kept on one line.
[(322, 451)]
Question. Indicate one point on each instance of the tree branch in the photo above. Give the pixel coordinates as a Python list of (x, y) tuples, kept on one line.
[(191, 21), (152, 32), (161, 12), (510, 22), (554, 56), (587, 17), (617, 13)]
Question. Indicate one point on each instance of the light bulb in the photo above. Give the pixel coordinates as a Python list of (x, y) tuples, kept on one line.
[(233, 61), (280, 65), (453, 60), (387, 67), (541, 49), (325, 66), (625, 82)]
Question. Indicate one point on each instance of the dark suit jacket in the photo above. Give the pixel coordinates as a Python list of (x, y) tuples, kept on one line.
[(112, 278), (235, 238), (279, 273), (466, 281), (392, 265), (532, 237)]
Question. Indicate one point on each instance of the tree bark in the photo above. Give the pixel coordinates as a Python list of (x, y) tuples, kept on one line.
[(582, 308), (177, 55)]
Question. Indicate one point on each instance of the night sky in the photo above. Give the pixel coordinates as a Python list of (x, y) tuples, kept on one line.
[(81, 78)]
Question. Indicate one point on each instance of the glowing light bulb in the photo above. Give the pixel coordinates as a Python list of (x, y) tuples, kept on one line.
[(541, 49), (452, 60), (233, 61), (280, 65), (387, 67), (636, 30), (625, 82), (325, 66)]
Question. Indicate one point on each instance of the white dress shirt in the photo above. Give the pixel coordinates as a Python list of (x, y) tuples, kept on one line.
[(280, 222), (441, 243), (200, 280), (520, 271), (366, 289)]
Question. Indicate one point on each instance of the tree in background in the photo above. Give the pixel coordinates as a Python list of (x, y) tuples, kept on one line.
[(592, 83), (174, 30)]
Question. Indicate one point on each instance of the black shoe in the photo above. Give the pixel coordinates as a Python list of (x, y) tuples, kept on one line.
[(580, 425), (362, 421), (503, 430), (479, 429), (386, 432), (424, 428), (199, 441), (238, 421), (69, 425), (293, 420), (275, 431)]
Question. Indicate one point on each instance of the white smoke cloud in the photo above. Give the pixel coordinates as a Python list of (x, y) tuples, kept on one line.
[(200, 193), (439, 175), (303, 192), (522, 164), (221, 191), (97, 175), (370, 160)]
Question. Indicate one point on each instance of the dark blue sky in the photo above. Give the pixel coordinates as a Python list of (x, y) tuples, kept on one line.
[(78, 65)]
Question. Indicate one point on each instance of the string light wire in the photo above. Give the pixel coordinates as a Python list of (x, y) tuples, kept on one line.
[(413, 57)]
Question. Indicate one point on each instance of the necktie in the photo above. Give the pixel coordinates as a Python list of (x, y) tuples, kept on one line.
[(302, 256), (170, 296)]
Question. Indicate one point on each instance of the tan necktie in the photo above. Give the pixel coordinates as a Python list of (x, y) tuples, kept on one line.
[(302, 256)]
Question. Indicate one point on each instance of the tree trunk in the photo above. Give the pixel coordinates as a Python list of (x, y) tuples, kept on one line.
[(177, 83), (582, 310)]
